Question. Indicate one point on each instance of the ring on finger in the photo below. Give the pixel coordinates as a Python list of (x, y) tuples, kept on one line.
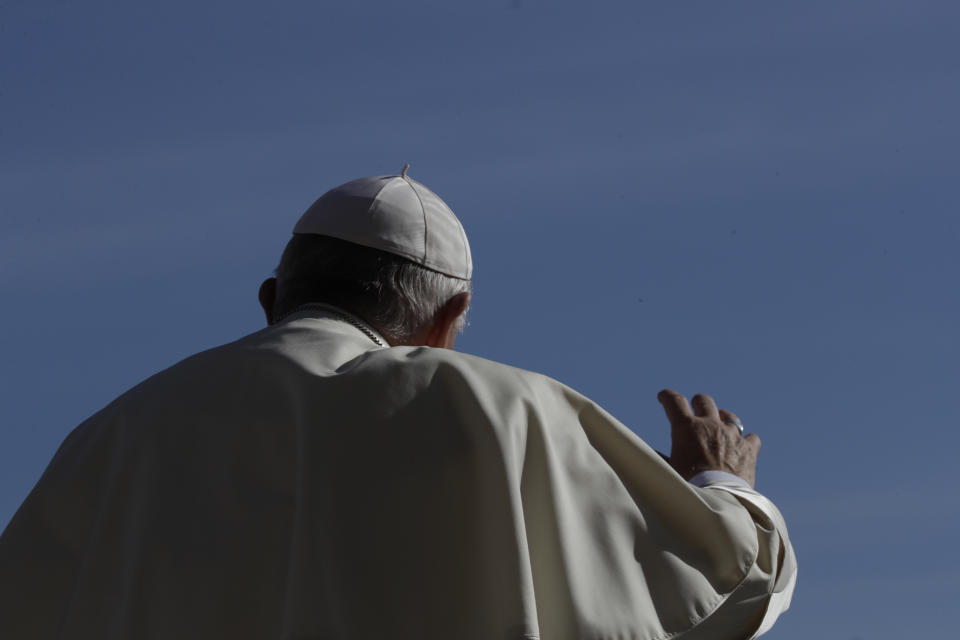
[(736, 423)]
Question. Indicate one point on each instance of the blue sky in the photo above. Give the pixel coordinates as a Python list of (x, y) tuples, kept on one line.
[(754, 200)]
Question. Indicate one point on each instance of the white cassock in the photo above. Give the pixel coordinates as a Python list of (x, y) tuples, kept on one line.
[(303, 483)]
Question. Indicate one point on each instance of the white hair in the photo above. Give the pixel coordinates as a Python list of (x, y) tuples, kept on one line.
[(398, 297)]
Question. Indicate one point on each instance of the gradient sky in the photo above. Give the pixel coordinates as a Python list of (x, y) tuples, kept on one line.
[(755, 200)]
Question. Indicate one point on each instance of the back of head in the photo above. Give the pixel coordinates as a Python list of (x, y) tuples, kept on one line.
[(392, 293), (385, 248)]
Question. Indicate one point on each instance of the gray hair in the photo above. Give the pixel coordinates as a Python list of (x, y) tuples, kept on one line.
[(395, 295)]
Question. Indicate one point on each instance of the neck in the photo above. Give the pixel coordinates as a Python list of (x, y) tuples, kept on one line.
[(367, 329)]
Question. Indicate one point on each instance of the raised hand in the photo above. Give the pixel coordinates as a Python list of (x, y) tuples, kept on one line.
[(707, 438)]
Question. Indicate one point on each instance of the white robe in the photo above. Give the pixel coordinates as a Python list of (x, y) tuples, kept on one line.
[(303, 483)]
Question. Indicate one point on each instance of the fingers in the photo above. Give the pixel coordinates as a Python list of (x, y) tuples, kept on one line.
[(678, 410), (704, 406), (753, 439), (730, 419), (729, 416), (675, 406)]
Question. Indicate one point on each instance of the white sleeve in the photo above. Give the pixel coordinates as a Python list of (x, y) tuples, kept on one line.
[(768, 516)]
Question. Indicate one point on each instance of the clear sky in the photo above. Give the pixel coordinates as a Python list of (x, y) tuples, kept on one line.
[(755, 200)]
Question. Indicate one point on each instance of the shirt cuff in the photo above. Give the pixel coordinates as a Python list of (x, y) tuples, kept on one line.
[(705, 478)]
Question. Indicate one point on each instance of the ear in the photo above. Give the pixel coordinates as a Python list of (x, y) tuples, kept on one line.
[(443, 331), (268, 295)]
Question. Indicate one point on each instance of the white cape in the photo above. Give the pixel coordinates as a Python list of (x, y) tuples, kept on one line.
[(302, 483)]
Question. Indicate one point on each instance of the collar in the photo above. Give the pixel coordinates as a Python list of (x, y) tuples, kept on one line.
[(338, 313)]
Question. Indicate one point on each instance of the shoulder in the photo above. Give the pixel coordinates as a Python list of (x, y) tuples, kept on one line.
[(459, 372), (445, 361), (197, 374), (275, 372)]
